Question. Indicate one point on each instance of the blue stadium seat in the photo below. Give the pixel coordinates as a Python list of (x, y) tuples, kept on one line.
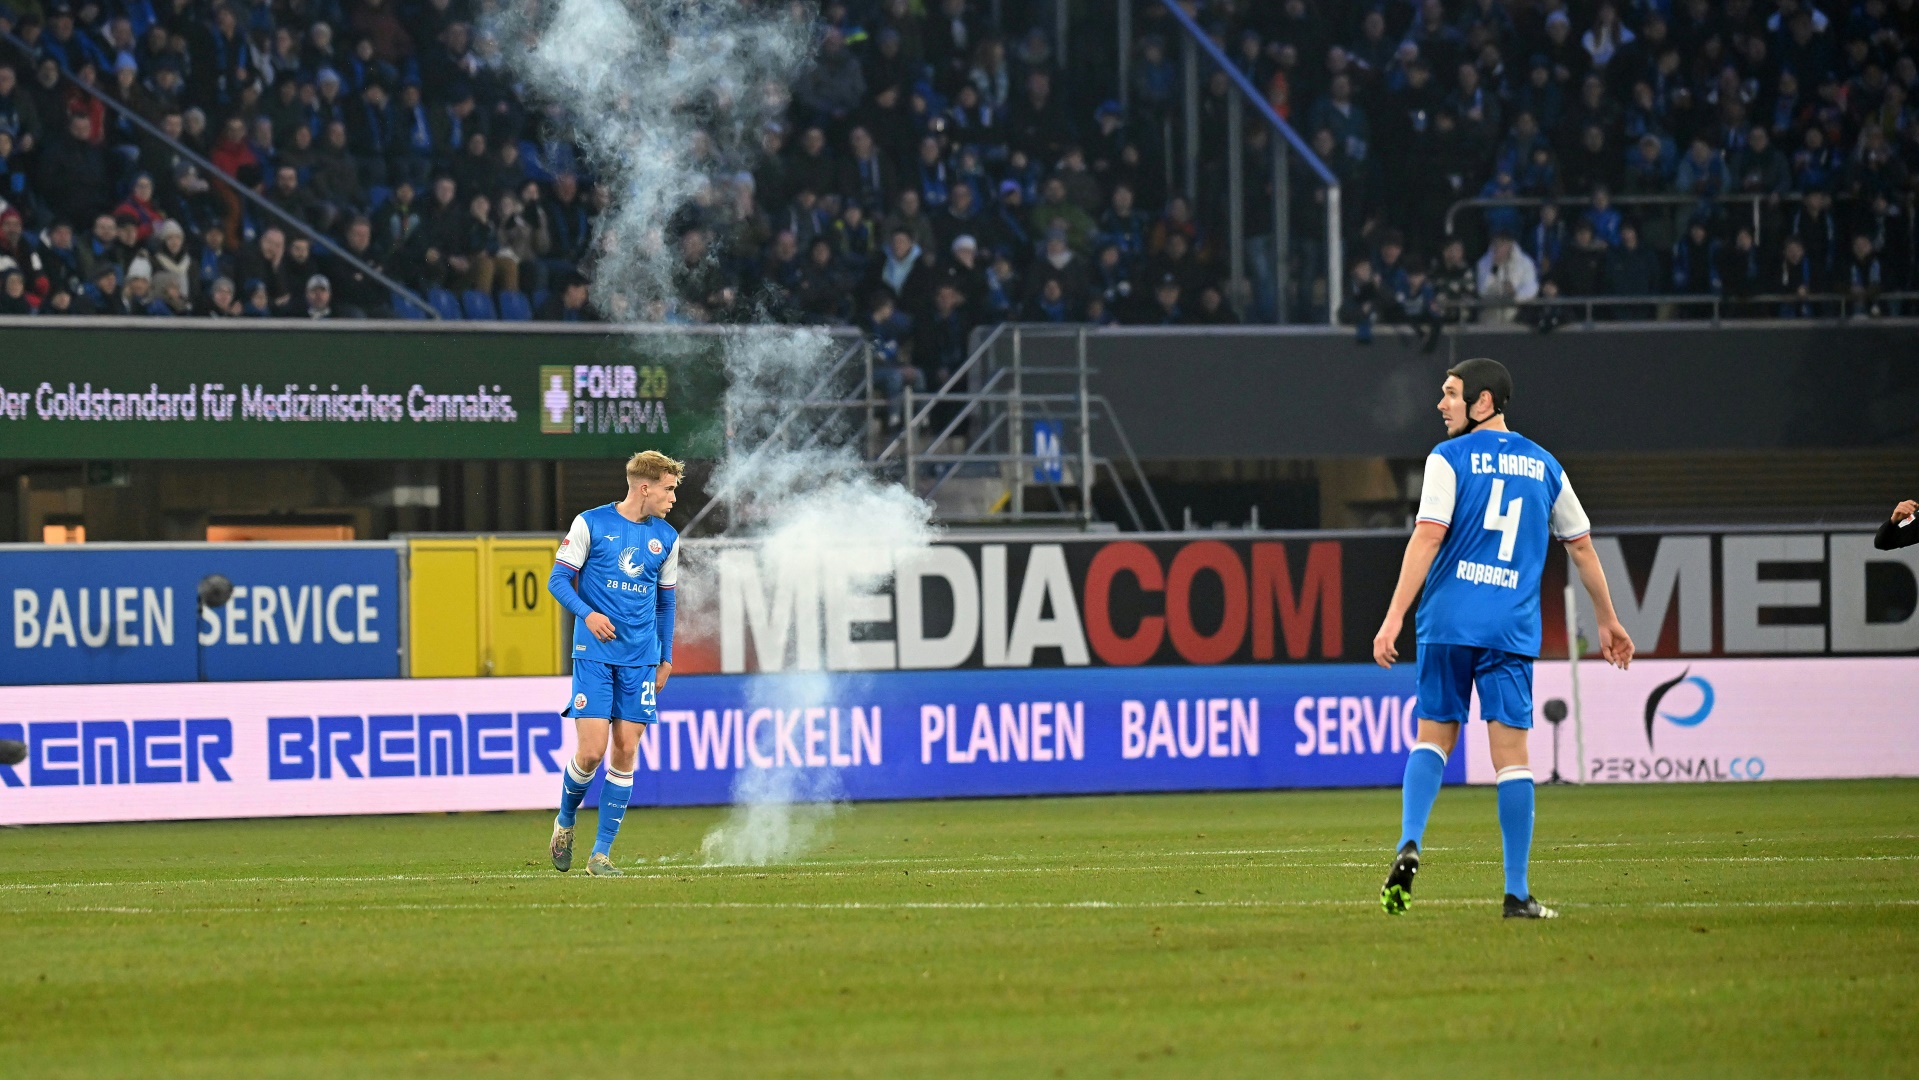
[(539, 299), (406, 309), (478, 305), (513, 306), (377, 196), (444, 303)]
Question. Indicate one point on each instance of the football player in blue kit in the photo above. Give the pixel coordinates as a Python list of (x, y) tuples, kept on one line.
[(1493, 500), (616, 571)]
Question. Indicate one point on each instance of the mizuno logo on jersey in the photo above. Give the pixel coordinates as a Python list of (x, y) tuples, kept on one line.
[(1484, 574)]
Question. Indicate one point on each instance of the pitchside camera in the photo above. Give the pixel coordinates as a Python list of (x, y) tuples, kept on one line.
[(215, 590), (1555, 711)]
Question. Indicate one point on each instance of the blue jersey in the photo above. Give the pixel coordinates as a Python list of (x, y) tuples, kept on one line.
[(1500, 496), (626, 571)]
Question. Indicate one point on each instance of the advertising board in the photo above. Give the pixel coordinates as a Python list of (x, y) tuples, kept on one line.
[(114, 613), (1182, 599), (398, 746), (344, 393), (1716, 720), (393, 746)]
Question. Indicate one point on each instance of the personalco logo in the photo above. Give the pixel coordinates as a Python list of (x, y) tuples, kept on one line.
[(628, 566), (1692, 719), (653, 546)]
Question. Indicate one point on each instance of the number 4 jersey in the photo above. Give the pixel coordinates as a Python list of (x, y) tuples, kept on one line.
[(1499, 494)]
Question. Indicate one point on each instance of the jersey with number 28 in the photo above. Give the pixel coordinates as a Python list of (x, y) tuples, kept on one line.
[(1501, 497), (623, 566)]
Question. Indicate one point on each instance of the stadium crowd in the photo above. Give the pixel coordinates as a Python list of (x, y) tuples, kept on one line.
[(937, 170)]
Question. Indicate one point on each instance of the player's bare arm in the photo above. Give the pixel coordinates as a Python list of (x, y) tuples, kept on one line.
[(1614, 643), (1418, 561)]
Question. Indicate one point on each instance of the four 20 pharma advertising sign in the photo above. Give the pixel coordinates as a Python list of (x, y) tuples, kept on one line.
[(339, 393), (118, 613)]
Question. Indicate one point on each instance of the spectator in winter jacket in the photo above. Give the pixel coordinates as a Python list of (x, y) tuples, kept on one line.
[(1506, 274), (73, 175)]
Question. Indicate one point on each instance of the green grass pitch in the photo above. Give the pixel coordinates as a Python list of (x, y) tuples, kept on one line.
[(1733, 930)]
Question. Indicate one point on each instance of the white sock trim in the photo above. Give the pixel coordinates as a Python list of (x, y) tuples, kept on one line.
[(619, 779), (1418, 746), (1516, 772), (573, 772)]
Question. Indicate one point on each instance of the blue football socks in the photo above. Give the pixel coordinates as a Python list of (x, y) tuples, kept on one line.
[(1516, 826), (1425, 768), (572, 790), (614, 795)]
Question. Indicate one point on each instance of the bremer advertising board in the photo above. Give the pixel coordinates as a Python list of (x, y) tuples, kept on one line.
[(394, 746), (1180, 600), (282, 749)]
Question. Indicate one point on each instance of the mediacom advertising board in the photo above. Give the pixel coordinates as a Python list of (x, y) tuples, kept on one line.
[(398, 746)]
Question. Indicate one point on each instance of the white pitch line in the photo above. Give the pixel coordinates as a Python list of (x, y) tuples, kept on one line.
[(735, 873), (957, 905)]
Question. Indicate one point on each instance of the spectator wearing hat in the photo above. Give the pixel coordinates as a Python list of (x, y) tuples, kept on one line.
[(318, 298), (966, 269), (171, 254), (220, 300), (101, 294), (169, 296)]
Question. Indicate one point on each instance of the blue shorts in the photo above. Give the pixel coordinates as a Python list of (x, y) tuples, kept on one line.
[(1448, 673), (612, 692)]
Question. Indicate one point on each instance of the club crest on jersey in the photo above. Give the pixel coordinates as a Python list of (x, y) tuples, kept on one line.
[(579, 701), (653, 545), (628, 566)]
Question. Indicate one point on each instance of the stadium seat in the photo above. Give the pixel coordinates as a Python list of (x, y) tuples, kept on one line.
[(406, 309), (538, 298), (514, 307), (377, 196), (478, 305), (445, 303)]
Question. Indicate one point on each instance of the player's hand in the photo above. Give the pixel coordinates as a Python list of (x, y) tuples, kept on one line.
[(1386, 642), (660, 675), (1905, 510), (601, 627), (1615, 645)]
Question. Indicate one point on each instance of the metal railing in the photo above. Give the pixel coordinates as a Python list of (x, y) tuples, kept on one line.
[(1758, 203), (996, 401), (1827, 306), (1193, 42), (219, 176)]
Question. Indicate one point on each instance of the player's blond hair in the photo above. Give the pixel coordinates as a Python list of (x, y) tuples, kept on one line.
[(651, 465)]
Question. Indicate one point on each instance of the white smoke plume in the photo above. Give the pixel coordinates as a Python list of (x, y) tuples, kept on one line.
[(667, 98)]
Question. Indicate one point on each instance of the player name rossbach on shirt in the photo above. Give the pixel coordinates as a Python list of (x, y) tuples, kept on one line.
[(1481, 574)]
